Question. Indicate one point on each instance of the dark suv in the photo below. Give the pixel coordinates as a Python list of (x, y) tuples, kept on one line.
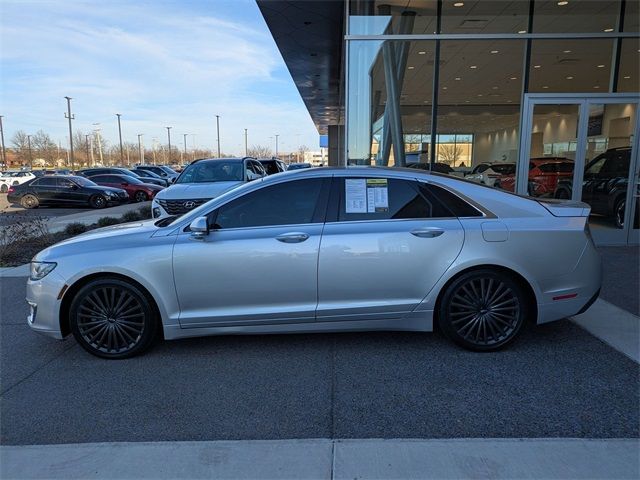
[(605, 184)]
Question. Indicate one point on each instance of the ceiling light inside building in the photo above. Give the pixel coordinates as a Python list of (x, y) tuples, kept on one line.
[(522, 31), (494, 88), (457, 78), (545, 86), (563, 3), (473, 66), (410, 68), (569, 77), (494, 51), (608, 30), (600, 66), (566, 51), (596, 86), (627, 77), (422, 52), (513, 78), (445, 88), (536, 66), (458, 4)]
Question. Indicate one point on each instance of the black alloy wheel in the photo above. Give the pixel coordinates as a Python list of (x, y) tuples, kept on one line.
[(29, 201), (141, 196), (97, 201), (112, 318), (482, 310), (618, 213)]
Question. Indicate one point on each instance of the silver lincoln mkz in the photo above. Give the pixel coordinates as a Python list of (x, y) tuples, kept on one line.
[(323, 250)]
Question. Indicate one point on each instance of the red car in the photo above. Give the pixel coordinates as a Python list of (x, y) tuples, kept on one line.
[(138, 191), (544, 174)]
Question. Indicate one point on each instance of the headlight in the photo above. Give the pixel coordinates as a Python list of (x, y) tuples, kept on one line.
[(39, 270)]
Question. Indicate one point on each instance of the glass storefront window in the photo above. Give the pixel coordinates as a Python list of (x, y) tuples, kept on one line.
[(575, 16), (570, 66), (383, 129), (479, 95), (629, 72), (486, 16), (632, 16), (378, 17)]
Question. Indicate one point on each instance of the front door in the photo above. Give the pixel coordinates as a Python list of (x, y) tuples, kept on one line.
[(259, 262), (591, 144), (384, 249)]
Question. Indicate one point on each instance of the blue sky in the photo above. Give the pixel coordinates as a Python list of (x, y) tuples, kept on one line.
[(158, 63)]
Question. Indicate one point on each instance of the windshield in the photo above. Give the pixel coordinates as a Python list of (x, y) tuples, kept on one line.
[(169, 170), (213, 171)]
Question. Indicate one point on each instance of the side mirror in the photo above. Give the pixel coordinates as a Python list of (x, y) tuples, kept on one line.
[(199, 228)]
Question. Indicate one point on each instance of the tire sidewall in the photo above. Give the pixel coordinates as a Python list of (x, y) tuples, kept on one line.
[(143, 196), (24, 204), (449, 330), (92, 202), (149, 333)]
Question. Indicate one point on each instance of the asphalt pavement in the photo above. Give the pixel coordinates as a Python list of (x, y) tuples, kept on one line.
[(10, 213), (556, 381)]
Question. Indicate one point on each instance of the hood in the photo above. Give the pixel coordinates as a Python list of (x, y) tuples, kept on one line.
[(153, 186), (187, 191), (99, 239)]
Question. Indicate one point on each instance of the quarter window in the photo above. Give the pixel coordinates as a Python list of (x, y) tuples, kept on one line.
[(289, 203)]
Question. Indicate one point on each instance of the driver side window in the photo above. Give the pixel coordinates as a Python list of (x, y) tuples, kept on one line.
[(291, 203)]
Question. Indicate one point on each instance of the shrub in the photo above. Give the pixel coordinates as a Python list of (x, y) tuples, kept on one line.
[(130, 216), (107, 221), (144, 213), (75, 228)]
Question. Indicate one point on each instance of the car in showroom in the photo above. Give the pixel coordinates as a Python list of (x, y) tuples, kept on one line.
[(138, 190), (604, 185), (273, 165), (161, 170), (68, 190), (544, 175), (203, 180), (323, 250), (142, 175), (438, 167), (488, 173), (9, 178)]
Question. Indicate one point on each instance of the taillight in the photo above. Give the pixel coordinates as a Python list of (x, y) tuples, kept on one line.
[(11, 190)]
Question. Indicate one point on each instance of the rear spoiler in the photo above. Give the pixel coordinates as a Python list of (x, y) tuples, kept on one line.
[(565, 208)]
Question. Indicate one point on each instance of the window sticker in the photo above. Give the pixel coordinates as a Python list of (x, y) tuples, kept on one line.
[(355, 195), (377, 195)]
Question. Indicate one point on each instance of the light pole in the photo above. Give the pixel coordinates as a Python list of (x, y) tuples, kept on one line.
[(277, 145), (169, 137), (140, 153), (4, 152), (30, 153), (99, 137), (218, 130), (86, 141), (154, 140), (184, 136), (246, 145), (120, 135), (70, 116)]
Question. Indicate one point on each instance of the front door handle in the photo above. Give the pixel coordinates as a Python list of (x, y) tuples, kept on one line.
[(293, 237), (427, 232)]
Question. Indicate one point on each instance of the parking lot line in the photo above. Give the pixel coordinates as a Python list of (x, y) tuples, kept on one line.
[(614, 326)]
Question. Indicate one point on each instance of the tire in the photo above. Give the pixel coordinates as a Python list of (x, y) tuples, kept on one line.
[(15, 183), (97, 202), (4, 188), (113, 318), (562, 194), (482, 310), (140, 196), (618, 213), (29, 201)]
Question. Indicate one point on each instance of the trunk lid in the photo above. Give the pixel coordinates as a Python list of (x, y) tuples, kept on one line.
[(565, 208)]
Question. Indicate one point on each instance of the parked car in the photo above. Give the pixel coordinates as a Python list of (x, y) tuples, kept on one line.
[(544, 174), (298, 166), (161, 170), (8, 179), (273, 165), (55, 190), (137, 190), (317, 251), (150, 178), (437, 167), (604, 185), (488, 173), (203, 180)]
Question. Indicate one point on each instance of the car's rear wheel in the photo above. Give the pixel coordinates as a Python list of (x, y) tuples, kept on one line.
[(29, 201), (482, 310), (562, 194), (141, 196), (97, 201), (112, 318), (618, 212), (4, 188)]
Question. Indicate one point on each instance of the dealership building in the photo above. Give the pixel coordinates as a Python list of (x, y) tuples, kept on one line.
[(547, 90)]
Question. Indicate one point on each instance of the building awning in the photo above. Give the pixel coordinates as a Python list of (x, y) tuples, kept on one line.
[(309, 36)]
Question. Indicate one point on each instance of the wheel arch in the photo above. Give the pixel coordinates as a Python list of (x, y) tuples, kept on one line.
[(532, 305), (74, 288)]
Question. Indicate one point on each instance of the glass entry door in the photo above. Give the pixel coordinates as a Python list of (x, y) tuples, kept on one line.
[(585, 148)]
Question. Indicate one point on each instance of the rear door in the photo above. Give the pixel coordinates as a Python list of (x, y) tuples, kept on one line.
[(45, 189), (384, 247)]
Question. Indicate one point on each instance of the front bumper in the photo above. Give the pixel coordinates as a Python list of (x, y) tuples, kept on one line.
[(42, 297)]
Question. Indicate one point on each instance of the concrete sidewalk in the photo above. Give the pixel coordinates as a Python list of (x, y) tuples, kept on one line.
[(57, 224), (329, 459)]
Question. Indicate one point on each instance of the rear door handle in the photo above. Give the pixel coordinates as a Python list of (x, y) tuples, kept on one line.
[(293, 237), (427, 232)]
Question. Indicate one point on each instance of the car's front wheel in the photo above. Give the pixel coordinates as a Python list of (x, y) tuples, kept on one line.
[(112, 318), (618, 213), (141, 196), (482, 310), (97, 201)]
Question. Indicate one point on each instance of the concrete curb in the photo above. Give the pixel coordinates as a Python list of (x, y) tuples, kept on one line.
[(329, 459)]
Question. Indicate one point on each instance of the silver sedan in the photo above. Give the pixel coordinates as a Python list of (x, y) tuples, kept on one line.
[(323, 250)]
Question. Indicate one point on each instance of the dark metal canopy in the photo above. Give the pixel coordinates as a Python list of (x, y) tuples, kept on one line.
[(309, 36)]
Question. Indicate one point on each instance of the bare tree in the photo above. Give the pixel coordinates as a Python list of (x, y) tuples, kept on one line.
[(449, 153), (44, 146), (260, 151), (20, 145), (302, 149)]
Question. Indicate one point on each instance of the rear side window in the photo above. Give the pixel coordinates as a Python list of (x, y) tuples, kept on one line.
[(45, 182), (385, 199), (454, 205), (291, 203)]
